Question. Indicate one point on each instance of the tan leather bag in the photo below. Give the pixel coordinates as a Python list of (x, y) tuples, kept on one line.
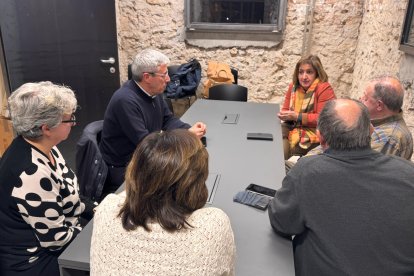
[(217, 73)]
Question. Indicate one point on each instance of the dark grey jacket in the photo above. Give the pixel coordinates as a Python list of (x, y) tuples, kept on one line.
[(351, 214)]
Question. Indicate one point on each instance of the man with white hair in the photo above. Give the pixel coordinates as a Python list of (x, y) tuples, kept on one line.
[(134, 111)]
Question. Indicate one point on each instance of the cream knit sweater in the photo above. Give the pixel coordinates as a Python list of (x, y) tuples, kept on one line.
[(206, 249)]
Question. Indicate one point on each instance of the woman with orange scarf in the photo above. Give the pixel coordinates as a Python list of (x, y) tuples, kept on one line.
[(304, 100)]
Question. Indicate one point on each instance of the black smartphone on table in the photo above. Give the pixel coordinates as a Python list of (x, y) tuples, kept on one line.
[(261, 190), (256, 196), (259, 136)]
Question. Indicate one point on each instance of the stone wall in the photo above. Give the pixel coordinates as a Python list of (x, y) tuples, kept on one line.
[(335, 37), (265, 71), (355, 39), (377, 51)]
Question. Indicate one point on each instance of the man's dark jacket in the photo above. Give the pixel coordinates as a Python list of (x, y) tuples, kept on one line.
[(351, 213), (130, 116)]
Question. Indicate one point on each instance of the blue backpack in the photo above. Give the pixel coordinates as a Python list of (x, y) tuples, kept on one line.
[(184, 81)]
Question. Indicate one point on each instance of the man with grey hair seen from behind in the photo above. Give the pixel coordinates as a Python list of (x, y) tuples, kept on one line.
[(349, 208), (134, 111)]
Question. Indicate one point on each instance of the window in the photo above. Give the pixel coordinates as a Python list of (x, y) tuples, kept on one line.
[(407, 37), (256, 21)]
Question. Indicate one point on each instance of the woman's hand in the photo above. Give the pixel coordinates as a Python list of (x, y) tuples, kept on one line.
[(288, 115)]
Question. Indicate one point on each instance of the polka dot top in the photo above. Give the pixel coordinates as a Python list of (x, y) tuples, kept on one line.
[(40, 207)]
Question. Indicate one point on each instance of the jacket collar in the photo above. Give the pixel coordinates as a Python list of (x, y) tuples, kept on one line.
[(351, 153), (138, 89), (393, 118)]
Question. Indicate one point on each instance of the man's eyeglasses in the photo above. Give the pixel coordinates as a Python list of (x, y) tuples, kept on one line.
[(164, 75), (72, 120)]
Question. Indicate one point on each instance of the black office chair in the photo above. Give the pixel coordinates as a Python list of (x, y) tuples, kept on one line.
[(228, 92), (129, 72), (235, 73), (172, 69), (91, 169)]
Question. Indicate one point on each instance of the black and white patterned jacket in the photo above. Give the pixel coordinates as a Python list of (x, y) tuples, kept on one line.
[(39, 209)]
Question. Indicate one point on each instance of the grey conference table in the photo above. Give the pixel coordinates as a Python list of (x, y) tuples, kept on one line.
[(234, 163)]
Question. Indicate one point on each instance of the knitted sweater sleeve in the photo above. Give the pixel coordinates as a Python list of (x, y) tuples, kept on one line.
[(219, 240)]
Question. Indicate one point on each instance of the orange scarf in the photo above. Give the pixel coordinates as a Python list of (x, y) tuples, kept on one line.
[(303, 101)]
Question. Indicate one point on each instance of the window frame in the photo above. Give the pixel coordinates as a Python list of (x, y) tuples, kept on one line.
[(409, 16), (235, 31)]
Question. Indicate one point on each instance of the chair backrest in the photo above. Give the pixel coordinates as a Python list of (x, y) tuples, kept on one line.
[(169, 103), (228, 92), (235, 73), (129, 71), (91, 169), (172, 69)]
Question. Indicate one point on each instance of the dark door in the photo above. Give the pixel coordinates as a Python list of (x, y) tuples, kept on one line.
[(70, 42)]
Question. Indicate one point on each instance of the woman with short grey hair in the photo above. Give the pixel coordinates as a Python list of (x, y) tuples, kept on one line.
[(37, 104), (41, 209)]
